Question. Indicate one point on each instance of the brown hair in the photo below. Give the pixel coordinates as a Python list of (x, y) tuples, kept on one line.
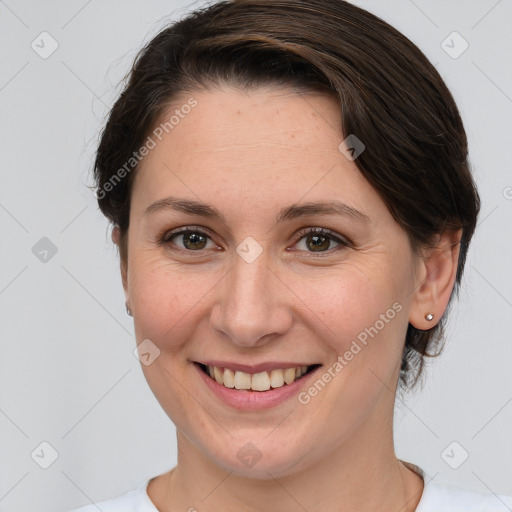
[(391, 97)]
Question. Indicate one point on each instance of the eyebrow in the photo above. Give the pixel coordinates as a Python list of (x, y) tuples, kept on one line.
[(191, 207)]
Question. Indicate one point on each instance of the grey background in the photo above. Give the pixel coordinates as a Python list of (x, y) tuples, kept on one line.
[(68, 376)]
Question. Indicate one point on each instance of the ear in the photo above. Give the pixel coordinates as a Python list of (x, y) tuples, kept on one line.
[(437, 270), (116, 238)]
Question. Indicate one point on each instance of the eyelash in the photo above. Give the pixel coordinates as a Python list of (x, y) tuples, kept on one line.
[(165, 240)]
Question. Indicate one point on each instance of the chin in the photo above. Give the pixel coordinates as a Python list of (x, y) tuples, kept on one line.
[(262, 469), (261, 458)]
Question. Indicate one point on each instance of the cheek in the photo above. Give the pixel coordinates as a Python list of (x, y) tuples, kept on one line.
[(167, 305), (359, 312), (362, 319), (164, 299)]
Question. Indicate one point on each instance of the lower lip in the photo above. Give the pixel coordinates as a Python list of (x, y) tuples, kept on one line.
[(245, 399)]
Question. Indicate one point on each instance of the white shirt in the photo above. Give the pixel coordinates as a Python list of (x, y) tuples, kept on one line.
[(436, 497)]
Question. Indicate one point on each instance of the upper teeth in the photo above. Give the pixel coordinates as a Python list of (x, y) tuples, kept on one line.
[(262, 381)]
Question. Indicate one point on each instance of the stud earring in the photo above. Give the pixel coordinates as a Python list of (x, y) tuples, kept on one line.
[(429, 317), (128, 310)]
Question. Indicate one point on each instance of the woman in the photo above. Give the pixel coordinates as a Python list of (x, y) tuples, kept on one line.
[(290, 193)]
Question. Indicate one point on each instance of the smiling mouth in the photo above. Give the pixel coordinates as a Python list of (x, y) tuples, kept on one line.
[(262, 381)]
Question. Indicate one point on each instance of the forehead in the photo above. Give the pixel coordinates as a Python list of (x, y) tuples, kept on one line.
[(262, 144), (223, 118)]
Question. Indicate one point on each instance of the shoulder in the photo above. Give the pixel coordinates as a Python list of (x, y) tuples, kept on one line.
[(136, 500), (439, 497)]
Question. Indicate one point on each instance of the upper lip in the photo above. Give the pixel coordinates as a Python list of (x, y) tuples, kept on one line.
[(254, 368)]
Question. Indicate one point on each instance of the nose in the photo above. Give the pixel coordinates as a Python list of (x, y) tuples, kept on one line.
[(253, 305)]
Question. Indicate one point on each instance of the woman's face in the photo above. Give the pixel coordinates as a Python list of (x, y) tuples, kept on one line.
[(251, 288)]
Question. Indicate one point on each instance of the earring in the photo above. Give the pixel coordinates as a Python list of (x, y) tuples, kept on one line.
[(429, 317), (128, 310)]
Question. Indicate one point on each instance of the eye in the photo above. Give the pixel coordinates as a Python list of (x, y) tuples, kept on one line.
[(318, 240), (193, 239)]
